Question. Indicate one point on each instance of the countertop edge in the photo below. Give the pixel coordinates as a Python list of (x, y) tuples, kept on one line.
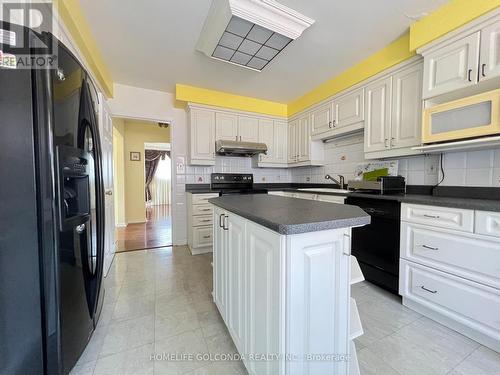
[(290, 229)]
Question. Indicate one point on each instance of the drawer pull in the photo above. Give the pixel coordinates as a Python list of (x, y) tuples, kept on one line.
[(428, 290), (220, 220), (207, 236), (432, 216), (205, 221), (430, 247), (205, 209)]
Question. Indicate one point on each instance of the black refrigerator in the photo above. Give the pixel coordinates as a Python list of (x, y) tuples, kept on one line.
[(51, 213)]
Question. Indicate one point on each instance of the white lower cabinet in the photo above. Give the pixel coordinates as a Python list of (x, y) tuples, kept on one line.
[(468, 307), (449, 269), (284, 297), (200, 236)]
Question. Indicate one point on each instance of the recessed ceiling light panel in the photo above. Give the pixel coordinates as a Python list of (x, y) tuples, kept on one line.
[(249, 33)]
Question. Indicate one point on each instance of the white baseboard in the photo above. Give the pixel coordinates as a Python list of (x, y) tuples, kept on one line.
[(136, 222)]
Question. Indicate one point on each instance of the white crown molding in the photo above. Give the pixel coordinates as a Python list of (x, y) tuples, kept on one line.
[(271, 15)]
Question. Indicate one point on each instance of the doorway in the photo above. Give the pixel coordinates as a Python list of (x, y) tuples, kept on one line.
[(145, 219)]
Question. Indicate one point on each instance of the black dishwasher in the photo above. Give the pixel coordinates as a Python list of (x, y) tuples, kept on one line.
[(376, 246)]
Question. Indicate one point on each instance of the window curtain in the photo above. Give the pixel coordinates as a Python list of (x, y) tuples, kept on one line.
[(152, 159), (161, 185)]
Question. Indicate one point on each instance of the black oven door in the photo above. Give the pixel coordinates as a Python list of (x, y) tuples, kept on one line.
[(376, 246)]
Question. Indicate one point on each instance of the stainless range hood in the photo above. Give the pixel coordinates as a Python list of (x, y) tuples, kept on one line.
[(235, 148)]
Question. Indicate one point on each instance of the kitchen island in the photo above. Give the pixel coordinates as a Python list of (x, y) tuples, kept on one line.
[(282, 273)]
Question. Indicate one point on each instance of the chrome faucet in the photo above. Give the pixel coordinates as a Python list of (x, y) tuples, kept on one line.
[(340, 182)]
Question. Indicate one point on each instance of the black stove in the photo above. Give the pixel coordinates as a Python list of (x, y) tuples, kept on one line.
[(234, 183)]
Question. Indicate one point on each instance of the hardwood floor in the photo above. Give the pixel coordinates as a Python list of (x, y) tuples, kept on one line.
[(155, 232)]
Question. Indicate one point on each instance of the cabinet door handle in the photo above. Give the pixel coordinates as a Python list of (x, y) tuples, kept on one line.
[(220, 220), (224, 223), (330, 124), (334, 123), (430, 247), (428, 290), (392, 142), (207, 236), (386, 145), (469, 73), (482, 70), (431, 216)]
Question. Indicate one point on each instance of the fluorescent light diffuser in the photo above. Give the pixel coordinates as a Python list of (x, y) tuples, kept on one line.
[(249, 33)]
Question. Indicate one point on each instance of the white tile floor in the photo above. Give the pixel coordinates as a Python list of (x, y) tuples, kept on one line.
[(159, 301)]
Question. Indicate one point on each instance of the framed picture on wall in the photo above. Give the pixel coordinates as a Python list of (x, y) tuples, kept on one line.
[(135, 156)]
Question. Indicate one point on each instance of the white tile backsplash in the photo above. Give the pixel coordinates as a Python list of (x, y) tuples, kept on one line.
[(227, 164), (473, 168)]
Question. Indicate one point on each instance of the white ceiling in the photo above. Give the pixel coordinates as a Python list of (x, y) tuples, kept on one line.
[(151, 44)]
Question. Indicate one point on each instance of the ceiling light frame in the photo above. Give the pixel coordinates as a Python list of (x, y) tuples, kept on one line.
[(268, 14)]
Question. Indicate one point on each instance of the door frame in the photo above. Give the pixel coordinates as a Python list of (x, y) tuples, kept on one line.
[(173, 173)]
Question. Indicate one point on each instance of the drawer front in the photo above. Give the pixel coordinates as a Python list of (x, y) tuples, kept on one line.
[(467, 302), (202, 236), (202, 209), (468, 255), (203, 198), (487, 223), (330, 198), (199, 221), (444, 217)]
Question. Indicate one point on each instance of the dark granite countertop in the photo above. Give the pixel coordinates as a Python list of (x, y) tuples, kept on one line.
[(292, 216), (483, 199)]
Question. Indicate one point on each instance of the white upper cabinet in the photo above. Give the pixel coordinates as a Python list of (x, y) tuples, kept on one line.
[(322, 119), (342, 115), (201, 137), (452, 67), (378, 114), (266, 135), (304, 139), (458, 62), (302, 150), (248, 129), (292, 141), (274, 134), (226, 126), (406, 116), (490, 52), (280, 141), (393, 113), (348, 109)]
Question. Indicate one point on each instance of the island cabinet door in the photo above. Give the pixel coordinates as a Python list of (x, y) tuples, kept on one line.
[(318, 301), (265, 288), (236, 304), (220, 260)]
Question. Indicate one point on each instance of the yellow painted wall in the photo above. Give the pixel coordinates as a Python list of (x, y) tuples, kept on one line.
[(449, 17), (396, 52), (185, 93), (74, 20), (119, 170), (136, 134)]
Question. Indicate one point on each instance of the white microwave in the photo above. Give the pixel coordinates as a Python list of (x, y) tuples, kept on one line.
[(472, 117)]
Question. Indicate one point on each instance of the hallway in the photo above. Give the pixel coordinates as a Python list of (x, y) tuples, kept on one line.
[(155, 232)]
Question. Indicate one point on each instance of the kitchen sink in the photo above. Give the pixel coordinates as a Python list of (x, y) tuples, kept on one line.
[(325, 190)]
